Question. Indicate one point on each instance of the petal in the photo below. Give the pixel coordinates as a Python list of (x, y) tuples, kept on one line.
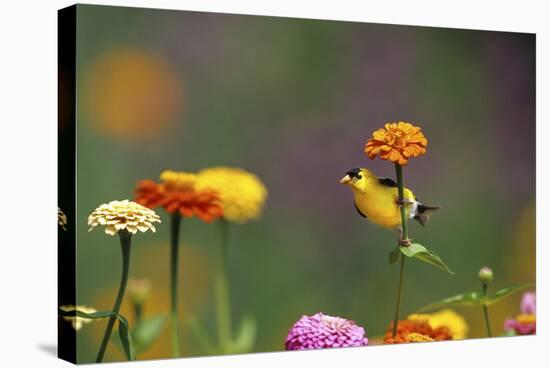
[(376, 150), (142, 228), (186, 212), (379, 135), (111, 230)]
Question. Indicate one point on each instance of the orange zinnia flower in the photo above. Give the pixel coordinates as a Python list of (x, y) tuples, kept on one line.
[(182, 199), (406, 327), (397, 142), (149, 194)]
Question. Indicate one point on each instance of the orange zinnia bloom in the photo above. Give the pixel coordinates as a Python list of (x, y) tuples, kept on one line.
[(397, 142), (185, 200), (149, 194), (406, 327)]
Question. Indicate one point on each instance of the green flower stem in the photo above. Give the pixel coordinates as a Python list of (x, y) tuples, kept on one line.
[(125, 243), (486, 311), (174, 240), (401, 193), (223, 310), (138, 311), (404, 238), (399, 293)]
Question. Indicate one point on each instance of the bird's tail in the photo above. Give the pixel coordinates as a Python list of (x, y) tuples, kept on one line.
[(424, 212)]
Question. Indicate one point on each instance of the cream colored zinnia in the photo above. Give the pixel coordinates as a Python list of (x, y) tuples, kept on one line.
[(61, 219), (242, 193), (123, 215), (445, 318), (78, 322)]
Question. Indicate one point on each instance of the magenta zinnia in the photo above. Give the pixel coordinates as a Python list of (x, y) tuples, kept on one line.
[(321, 331), (525, 323)]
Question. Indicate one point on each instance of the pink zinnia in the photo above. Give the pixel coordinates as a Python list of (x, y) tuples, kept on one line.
[(321, 331), (526, 322), (529, 303)]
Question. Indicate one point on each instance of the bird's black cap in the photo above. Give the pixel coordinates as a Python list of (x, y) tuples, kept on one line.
[(354, 173)]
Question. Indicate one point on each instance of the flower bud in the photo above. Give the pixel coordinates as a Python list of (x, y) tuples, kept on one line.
[(139, 290), (486, 275)]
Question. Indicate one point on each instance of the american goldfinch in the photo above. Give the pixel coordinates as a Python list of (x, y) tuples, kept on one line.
[(377, 199)]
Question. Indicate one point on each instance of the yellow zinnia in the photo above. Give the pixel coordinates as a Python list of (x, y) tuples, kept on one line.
[(445, 318), (178, 179), (242, 193), (417, 337)]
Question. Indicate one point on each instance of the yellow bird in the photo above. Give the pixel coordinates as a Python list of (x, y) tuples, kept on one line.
[(377, 199)]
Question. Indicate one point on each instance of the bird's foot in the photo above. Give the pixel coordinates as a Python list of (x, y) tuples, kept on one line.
[(404, 202), (405, 242)]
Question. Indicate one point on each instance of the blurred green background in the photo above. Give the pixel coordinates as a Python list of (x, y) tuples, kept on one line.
[(294, 101)]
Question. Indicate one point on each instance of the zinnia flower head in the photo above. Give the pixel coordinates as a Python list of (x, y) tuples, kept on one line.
[(242, 193), (77, 322), (123, 215), (322, 331), (448, 318), (422, 327), (177, 193), (529, 303), (397, 142), (178, 179), (61, 219), (525, 323)]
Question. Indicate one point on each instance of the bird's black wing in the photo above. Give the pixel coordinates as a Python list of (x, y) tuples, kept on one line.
[(387, 182), (358, 210)]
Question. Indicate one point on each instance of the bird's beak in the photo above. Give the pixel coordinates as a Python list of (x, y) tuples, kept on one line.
[(346, 179)]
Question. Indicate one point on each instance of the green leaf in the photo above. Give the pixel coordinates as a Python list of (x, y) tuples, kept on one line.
[(200, 334), (504, 292), (126, 338), (420, 252), (246, 336), (123, 329), (394, 256), (412, 250), (460, 300), (475, 298), (146, 332)]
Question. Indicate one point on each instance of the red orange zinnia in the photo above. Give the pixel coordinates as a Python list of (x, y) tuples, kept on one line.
[(177, 194), (397, 142)]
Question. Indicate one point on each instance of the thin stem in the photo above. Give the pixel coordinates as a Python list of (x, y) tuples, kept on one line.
[(486, 312), (125, 243), (404, 239), (174, 240), (399, 293), (223, 309), (138, 311), (401, 193)]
